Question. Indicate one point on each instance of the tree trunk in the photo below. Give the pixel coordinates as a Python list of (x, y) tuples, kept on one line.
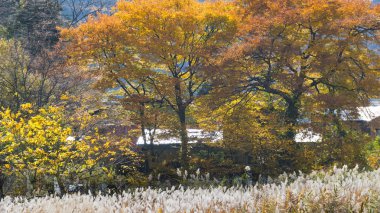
[(2, 181), (184, 137), (291, 119), (151, 149), (143, 135), (29, 186), (57, 188), (181, 112)]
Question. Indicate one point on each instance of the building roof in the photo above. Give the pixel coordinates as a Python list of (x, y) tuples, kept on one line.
[(307, 136), (195, 135), (368, 113)]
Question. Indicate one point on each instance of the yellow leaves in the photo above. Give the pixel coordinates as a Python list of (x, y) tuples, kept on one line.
[(64, 97), (155, 26), (90, 162), (107, 145), (93, 140), (26, 106), (32, 139), (39, 152), (105, 169), (29, 150), (53, 110)]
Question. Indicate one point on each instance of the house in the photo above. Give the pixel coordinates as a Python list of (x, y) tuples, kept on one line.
[(368, 118)]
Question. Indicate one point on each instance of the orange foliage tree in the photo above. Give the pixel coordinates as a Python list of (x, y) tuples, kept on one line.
[(164, 47), (306, 53)]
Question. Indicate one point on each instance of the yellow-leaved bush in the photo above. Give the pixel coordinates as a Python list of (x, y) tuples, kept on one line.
[(37, 145)]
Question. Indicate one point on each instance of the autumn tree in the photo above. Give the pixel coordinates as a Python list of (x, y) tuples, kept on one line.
[(317, 53), (125, 78), (168, 43)]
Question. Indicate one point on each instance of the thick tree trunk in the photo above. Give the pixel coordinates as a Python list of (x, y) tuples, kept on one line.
[(143, 134), (291, 119), (151, 148), (184, 138), (181, 113)]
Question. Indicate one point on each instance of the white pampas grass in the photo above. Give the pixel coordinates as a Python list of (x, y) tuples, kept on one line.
[(341, 190)]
